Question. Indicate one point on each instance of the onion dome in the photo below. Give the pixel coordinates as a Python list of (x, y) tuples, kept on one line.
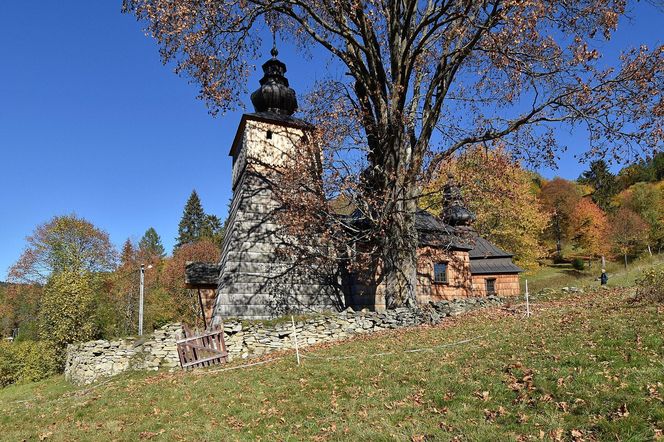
[(455, 212), (274, 95)]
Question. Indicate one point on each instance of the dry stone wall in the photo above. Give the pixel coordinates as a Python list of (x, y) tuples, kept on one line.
[(247, 339), (90, 361)]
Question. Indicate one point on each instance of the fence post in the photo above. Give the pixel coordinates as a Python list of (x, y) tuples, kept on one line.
[(527, 301), (297, 349)]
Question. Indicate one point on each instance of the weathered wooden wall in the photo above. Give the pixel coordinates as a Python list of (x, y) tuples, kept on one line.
[(458, 284), (207, 300), (256, 281), (506, 285)]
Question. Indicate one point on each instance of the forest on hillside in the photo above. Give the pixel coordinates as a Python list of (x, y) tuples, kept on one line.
[(618, 216)]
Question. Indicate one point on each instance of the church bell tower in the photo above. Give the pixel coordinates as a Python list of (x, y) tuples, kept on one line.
[(255, 281)]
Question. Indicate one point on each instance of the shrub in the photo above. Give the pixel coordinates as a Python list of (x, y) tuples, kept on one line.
[(578, 264), (559, 259), (27, 361), (650, 287)]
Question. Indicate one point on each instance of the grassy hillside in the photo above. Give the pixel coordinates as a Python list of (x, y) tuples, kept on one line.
[(586, 367), (555, 276)]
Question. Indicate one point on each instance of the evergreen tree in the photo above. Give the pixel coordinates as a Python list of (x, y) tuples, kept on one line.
[(192, 222), (603, 182), (213, 229), (658, 165), (128, 254), (150, 246)]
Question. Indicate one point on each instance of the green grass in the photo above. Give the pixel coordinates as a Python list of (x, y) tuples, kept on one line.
[(556, 276), (589, 366)]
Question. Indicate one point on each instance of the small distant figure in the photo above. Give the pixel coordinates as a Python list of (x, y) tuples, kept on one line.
[(604, 278)]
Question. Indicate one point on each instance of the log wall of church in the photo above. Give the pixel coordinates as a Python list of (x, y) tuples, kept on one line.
[(506, 285), (459, 282)]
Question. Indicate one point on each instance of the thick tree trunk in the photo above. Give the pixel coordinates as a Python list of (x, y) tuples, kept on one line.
[(400, 256), (400, 270)]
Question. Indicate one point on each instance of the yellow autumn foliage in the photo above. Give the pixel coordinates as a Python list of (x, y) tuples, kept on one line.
[(67, 313), (500, 193)]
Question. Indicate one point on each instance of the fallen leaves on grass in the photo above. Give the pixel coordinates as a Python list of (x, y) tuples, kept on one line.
[(577, 435), (151, 434), (653, 391), (622, 411), (491, 415), (483, 395), (235, 423)]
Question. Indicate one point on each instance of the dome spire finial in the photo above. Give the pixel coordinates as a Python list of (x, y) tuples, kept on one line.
[(274, 95), (455, 212)]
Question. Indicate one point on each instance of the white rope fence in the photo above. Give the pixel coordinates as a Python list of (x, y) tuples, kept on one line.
[(300, 355)]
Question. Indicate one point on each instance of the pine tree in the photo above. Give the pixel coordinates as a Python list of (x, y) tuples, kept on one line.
[(603, 181), (192, 222), (150, 246), (213, 229), (128, 254)]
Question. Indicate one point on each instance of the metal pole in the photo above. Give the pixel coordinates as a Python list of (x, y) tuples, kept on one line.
[(140, 302)]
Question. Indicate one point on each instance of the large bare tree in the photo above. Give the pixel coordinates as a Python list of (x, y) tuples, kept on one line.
[(427, 78)]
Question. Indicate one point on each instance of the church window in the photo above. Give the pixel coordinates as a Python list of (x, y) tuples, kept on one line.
[(491, 286), (269, 135), (440, 273)]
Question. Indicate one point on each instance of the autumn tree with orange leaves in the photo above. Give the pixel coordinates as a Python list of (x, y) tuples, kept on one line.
[(589, 229), (629, 233), (425, 80), (559, 197), (171, 300)]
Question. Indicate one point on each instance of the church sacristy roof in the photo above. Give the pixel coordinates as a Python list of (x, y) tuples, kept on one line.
[(201, 274), (487, 258)]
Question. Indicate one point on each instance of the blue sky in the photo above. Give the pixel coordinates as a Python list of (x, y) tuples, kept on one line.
[(92, 123)]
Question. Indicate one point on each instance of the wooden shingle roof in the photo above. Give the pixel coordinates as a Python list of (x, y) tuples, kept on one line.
[(487, 258), (199, 275), (484, 249), (487, 266)]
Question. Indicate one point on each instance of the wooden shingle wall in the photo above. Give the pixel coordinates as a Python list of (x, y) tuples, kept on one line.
[(459, 283), (506, 284)]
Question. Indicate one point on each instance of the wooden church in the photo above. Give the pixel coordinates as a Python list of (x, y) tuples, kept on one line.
[(254, 281)]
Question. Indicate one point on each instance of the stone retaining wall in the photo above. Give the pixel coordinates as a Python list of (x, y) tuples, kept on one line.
[(247, 339), (90, 361)]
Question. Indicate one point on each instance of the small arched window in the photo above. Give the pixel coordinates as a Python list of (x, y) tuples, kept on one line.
[(269, 135)]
